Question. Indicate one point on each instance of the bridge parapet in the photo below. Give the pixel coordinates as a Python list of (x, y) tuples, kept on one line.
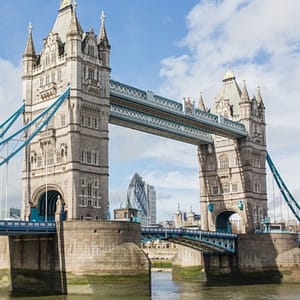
[(216, 242), (25, 227)]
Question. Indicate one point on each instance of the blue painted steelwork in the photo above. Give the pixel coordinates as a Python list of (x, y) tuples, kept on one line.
[(131, 97), (218, 242), (11, 120), (179, 131), (47, 113), (288, 197), (24, 227)]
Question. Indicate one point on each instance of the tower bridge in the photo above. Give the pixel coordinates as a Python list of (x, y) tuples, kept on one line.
[(70, 101)]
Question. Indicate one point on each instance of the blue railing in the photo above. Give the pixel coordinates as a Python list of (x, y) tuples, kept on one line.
[(149, 99), (218, 241), (26, 227)]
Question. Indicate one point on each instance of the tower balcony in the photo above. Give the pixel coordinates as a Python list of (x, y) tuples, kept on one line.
[(49, 91)]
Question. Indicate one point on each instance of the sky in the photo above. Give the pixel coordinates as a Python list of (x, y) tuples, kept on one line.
[(176, 49)]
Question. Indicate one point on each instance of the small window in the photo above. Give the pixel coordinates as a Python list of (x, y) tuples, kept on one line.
[(62, 120), (234, 187), (226, 187), (89, 189), (215, 190), (224, 162), (59, 75)]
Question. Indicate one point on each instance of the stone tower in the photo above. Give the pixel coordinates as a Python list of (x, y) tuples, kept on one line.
[(233, 172), (65, 170)]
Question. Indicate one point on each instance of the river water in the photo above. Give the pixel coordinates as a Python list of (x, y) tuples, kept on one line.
[(163, 288)]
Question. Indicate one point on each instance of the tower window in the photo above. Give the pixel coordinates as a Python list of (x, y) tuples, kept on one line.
[(62, 120), (224, 162), (91, 73), (91, 50), (89, 189), (226, 187), (215, 190), (59, 75)]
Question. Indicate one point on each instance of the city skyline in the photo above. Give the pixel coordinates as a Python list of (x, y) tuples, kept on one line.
[(176, 53)]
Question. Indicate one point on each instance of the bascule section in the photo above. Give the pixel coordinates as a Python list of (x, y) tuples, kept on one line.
[(233, 196), (65, 170)]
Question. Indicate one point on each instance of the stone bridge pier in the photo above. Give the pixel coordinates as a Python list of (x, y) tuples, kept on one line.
[(260, 258)]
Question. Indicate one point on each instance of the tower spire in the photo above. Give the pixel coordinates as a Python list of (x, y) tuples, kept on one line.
[(245, 95), (201, 103), (74, 28), (29, 49), (259, 100), (103, 39)]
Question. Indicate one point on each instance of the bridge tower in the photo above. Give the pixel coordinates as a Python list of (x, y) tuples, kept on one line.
[(65, 170), (233, 172)]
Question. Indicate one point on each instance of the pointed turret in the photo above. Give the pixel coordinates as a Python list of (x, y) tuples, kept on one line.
[(245, 103), (245, 96), (229, 97), (29, 62), (29, 49), (103, 43), (66, 20), (260, 102), (201, 105), (74, 27), (102, 38)]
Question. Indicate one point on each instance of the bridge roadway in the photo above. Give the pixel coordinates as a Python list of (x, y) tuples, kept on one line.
[(145, 111), (211, 242)]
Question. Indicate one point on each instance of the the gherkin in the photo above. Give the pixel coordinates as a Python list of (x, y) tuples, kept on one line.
[(137, 197)]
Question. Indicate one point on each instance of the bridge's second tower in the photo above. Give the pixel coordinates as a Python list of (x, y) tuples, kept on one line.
[(67, 163), (233, 172)]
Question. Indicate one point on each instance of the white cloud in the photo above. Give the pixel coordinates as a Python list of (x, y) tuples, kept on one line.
[(260, 41)]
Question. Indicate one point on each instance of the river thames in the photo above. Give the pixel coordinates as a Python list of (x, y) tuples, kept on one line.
[(163, 288)]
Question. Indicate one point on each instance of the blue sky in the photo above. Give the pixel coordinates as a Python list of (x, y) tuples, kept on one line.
[(176, 48)]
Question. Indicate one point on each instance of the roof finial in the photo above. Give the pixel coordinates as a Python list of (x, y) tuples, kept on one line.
[(74, 5), (102, 38), (30, 28), (65, 3), (102, 17)]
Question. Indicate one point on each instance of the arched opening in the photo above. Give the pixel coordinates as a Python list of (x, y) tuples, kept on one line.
[(46, 207), (229, 221)]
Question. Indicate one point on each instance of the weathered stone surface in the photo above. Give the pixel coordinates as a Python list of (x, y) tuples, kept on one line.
[(82, 253)]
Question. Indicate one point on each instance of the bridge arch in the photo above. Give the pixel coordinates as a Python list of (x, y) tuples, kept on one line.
[(229, 221), (45, 204)]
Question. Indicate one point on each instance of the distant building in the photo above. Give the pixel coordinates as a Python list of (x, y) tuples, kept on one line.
[(151, 196), (126, 214), (143, 198), (183, 219)]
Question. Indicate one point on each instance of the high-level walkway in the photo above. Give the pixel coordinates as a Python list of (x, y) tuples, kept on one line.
[(145, 111)]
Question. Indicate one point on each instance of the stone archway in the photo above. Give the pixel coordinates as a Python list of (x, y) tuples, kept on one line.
[(46, 206), (224, 222)]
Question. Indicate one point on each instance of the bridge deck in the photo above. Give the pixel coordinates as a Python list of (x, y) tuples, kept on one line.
[(24, 227), (135, 108)]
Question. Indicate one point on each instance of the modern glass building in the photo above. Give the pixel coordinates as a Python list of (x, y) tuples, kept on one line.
[(142, 197), (151, 196)]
